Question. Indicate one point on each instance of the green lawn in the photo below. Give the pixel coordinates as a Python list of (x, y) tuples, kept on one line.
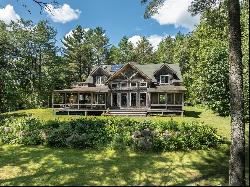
[(22, 165)]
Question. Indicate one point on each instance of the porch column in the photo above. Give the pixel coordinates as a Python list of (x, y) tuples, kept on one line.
[(149, 100), (92, 100), (52, 99), (65, 99), (182, 108), (166, 100), (105, 99), (78, 102)]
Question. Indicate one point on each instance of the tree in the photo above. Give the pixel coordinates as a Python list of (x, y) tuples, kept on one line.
[(165, 51), (123, 53), (237, 150), (83, 50), (144, 52)]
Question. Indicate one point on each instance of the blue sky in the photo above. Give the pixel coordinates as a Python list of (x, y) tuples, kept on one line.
[(117, 17)]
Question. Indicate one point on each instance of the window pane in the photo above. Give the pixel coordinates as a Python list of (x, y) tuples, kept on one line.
[(124, 84), (170, 98), (178, 98), (164, 79), (114, 85), (154, 98), (133, 84), (101, 99), (143, 84), (142, 99), (162, 98)]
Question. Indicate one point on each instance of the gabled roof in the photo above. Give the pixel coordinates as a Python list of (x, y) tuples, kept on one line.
[(125, 66), (147, 69)]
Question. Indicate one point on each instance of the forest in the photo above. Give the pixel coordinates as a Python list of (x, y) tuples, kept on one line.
[(32, 65)]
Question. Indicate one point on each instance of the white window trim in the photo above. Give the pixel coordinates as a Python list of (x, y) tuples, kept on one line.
[(133, 86), (131, 99), (98, 78), (144, 86), (165, 76)]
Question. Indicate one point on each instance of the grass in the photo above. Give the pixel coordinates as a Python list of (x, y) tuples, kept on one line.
[(22, 165)]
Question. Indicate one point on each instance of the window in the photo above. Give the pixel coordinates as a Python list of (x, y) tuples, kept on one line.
[(164, 79), (178, 98), (154, 98), (143, 98), (99, 98), (143, 84), (170, 98), (100, 80), (133, 84), (162, 98), (124, 84), (114, 85)]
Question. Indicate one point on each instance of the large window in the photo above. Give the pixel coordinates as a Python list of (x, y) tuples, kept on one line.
[(85, 98), (164, 79), (100, 80), (99, 98), (170, 98), (178, 98), (143, 98), (162, 98), (154, 98)]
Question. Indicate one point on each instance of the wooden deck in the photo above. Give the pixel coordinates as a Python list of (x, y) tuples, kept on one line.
[(116, 112)]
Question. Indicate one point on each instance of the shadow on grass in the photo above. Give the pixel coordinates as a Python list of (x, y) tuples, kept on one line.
[(13, 115), (193, 114), (39, 165)]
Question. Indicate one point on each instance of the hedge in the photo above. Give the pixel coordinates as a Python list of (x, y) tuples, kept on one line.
[(115, 132)]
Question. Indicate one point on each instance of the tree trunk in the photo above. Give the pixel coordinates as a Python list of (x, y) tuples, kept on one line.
[(237, 149)]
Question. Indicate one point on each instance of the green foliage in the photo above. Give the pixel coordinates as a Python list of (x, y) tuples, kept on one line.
[(84, 49), (97, 133), (123, 53), (144, 52)]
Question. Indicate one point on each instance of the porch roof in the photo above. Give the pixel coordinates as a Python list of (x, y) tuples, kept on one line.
[(167, 88), (86, 89)]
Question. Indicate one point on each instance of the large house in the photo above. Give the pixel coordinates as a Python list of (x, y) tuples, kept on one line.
[(128, 89)]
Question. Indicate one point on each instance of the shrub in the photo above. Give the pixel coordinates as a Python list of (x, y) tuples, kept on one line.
[(116, 132)]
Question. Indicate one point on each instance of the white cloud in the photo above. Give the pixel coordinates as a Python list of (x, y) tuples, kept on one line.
[(176, 12), (62, 14), (135, 39), (8, 14), (153, 39)]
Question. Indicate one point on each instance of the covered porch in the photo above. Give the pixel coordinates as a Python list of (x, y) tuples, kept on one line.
[(84, 98)]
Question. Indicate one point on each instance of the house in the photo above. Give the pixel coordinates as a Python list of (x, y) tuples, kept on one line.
[(128, 89)]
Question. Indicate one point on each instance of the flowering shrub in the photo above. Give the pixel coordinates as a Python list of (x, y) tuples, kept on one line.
[(116, 132)]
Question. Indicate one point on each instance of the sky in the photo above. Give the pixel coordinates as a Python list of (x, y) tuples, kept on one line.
[(117, 17)]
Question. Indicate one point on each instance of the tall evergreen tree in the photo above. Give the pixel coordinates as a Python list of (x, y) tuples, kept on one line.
[(144, 52)]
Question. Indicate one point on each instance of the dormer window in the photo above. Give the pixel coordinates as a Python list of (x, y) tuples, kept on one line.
[(100, 80), (164, 79)]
